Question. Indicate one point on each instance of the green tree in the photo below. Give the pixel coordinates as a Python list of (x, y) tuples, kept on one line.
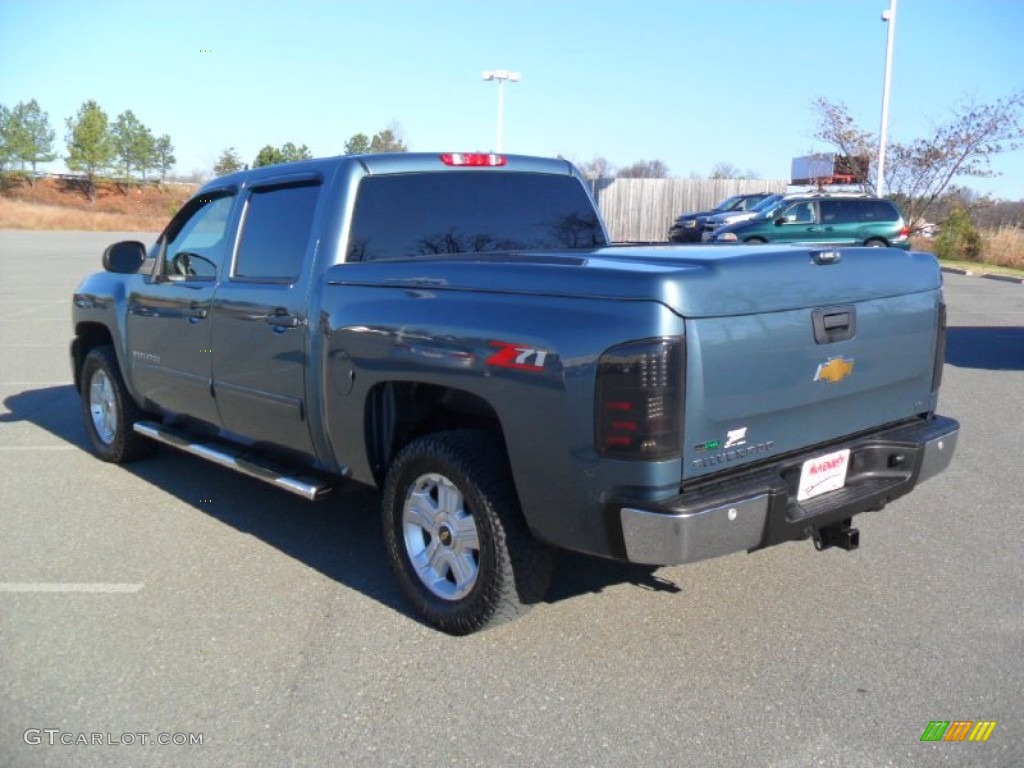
[(288, 153), (958, 239), (29, 136), (228, 162), (922, 170), (163, 158), (90, 148), (133, 143), (268, 156), (6, 154), (359, 144), (388, 140), (292, 154)]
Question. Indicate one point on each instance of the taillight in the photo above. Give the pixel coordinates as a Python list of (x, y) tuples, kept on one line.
[(904, 233), (473, 159), (640, 400)]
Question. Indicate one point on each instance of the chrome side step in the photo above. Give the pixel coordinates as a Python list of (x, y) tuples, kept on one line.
[(307, 487)]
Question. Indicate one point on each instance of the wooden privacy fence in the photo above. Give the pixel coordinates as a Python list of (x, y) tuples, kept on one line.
[(644, 209)]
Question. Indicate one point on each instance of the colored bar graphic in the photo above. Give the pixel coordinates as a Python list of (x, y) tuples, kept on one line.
[(982, 730), (958, 730)]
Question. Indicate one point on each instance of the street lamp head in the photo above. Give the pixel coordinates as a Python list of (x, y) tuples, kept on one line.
[(501, 74), (886, 15)]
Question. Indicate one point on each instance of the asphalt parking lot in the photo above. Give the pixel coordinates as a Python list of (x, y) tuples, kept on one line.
[(174, 598)]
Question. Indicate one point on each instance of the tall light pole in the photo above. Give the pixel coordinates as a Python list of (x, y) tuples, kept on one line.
[(501, 75), (889, 17)]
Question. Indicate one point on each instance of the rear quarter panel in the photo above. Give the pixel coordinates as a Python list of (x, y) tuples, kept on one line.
[(446, 337)]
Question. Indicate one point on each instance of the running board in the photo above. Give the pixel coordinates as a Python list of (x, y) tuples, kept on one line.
[(307, 487)]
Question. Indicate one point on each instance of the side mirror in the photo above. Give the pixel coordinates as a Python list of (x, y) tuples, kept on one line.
[(780, 220), (124, 257)]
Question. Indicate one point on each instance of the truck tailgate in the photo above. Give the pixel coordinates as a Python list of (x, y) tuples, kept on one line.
[(761, 385)]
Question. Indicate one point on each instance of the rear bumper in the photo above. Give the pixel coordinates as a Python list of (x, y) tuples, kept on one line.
[(759, 509)]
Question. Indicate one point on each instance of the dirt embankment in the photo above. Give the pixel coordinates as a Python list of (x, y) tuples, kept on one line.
[(56, 203)]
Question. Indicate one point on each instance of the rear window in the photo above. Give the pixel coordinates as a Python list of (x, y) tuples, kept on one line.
[(419, 215)]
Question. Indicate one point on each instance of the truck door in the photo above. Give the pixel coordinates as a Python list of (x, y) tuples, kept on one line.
[(260, 326), (168, 322)]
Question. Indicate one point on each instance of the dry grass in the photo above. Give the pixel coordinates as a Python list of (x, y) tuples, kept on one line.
[(1003, 246), (18, 214), (53, 204)]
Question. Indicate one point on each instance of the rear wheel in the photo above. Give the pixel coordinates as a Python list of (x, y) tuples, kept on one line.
[(109, 411), (755, 240), (874, 242), (455, 535)]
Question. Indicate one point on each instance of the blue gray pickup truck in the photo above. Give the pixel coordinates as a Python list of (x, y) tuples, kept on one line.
[(457, 330)]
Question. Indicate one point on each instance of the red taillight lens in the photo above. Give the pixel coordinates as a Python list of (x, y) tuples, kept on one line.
[(479, 159), (640, 400)]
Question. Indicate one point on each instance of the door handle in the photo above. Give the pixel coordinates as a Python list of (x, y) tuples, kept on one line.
[(834, 324), (281, 319)]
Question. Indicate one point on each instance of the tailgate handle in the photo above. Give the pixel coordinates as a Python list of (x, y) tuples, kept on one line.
[(834, 324)]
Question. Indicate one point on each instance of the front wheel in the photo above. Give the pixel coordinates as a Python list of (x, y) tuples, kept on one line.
[(875, 243), (455, 535), (109, 411), (755, 241)]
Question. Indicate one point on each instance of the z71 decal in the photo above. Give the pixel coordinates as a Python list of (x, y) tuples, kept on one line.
[(517, 357)]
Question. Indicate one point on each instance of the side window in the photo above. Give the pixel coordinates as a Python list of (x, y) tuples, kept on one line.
[(275, 233), (195, 239), (800, 213), (839, 211), (830, 211)]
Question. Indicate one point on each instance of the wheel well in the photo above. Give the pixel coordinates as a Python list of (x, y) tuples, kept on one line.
[(398, 412), (88, 336)]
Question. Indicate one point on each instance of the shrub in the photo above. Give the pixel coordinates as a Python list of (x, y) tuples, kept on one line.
[(958, 239)]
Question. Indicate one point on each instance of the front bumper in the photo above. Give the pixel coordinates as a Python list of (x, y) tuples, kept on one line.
[(680, 234), (758, 508)]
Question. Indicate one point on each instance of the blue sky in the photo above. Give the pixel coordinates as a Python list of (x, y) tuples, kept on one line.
[(689, 83)]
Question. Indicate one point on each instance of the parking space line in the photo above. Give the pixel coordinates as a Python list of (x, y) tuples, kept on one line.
[(42, 586), (41, 305), (38, 448)]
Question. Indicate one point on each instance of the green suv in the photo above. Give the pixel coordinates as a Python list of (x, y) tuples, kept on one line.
[(823, 221)]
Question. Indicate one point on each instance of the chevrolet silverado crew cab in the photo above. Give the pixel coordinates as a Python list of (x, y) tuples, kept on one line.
[(456, 330)]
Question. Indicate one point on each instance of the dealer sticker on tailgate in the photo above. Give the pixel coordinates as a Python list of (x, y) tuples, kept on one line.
[(823, 474)]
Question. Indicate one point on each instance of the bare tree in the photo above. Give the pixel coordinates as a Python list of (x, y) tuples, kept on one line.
[(725, 171), (596, 168), (643, 169), (920, 171)]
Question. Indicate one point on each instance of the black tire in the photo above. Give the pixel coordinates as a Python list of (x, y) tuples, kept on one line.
[(510, 569), (755, 241), (875, 242), (109, 410)]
